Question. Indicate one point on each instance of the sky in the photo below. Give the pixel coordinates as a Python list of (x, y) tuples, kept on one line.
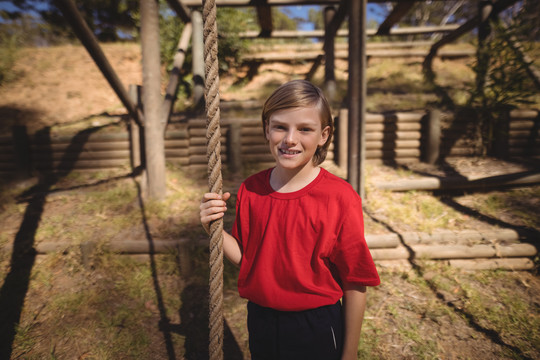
[(300, 11)]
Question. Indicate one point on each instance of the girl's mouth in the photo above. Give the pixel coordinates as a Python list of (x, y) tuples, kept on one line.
[(289, 152)]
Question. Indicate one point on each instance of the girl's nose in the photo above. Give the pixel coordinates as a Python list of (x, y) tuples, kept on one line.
[(290, 138)]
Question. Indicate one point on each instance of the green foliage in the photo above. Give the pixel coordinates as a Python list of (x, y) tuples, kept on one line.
[(502, 82), (231, 22), (8, 56)]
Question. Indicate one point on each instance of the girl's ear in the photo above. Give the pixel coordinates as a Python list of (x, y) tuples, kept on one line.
[(266, 132), (324, 135)]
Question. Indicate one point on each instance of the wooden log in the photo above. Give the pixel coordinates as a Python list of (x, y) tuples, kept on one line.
[(85, 155), (84, 164), (176, 134), (455, 252), (401, 135), (382, 241), (522, 124), (519, 134), (94, 137), (475, 251), (493, 264), (176, 144), (393, 153), (523, 114), (388, 145), (201, 159), (391, 127), (390, 254), (499, 235), (87, 147), (430, 183), (174, 153)]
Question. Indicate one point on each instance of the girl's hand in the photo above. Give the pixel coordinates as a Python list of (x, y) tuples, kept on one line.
[(213, 207)]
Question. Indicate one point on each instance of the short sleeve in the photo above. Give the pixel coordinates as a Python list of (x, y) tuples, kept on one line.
[(351, 255)]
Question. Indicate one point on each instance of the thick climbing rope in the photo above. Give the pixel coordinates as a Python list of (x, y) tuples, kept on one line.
[(215, 181)]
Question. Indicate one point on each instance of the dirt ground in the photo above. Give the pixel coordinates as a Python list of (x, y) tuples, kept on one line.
[(421, 311)]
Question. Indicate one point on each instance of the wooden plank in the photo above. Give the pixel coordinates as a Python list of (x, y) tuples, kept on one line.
[(291, 34)]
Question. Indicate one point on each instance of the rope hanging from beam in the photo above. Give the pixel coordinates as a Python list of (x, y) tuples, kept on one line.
[(215, 181)]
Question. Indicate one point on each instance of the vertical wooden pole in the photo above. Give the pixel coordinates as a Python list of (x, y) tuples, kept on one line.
[(357, 95), (134, 131), (341, 138), (153, 129), (197, 49), (432, 132), (329, 55), (234, 148)]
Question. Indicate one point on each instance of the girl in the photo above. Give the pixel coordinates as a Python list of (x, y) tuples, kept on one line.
[(298, 238)]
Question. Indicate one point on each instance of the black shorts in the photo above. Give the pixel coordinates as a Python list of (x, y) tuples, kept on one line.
[(295, 335)]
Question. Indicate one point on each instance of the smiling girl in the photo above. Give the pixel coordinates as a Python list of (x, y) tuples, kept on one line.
[(298, 238)]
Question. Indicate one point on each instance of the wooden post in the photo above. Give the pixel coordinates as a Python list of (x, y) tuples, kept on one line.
[(21, 151), (135, 139), (329, 55), (357, 95), (501, 135), (432, 132), (234, 148), (153, 129), (341, 138), (197, 50)]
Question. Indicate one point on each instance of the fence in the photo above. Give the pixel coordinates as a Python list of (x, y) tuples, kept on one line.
[(390, 138)]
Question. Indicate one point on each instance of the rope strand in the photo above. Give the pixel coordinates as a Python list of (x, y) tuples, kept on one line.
[(215, 181)]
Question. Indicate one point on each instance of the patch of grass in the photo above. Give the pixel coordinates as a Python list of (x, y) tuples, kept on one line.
[(413, 211)]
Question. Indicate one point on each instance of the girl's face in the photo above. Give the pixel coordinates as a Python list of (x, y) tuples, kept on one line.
[(294, 135)]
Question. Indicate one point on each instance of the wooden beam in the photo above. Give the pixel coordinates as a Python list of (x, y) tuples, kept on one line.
[(399, 10), (82, 31), (181, 10), (174, 78), (245, 3), (264, 15), (286, 34)]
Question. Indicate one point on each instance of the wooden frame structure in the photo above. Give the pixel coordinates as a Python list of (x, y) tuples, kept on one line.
[(336, 12)]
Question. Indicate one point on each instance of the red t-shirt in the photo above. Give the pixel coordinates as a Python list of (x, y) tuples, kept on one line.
[(297, 248)]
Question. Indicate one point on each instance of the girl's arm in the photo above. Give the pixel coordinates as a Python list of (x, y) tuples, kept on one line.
[(213, 207), (354, 305)]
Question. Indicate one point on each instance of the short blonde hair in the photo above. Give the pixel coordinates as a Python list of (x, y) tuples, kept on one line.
[(301, 94)]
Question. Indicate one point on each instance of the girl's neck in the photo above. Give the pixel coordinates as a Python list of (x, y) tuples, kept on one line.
[(286, 181)]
